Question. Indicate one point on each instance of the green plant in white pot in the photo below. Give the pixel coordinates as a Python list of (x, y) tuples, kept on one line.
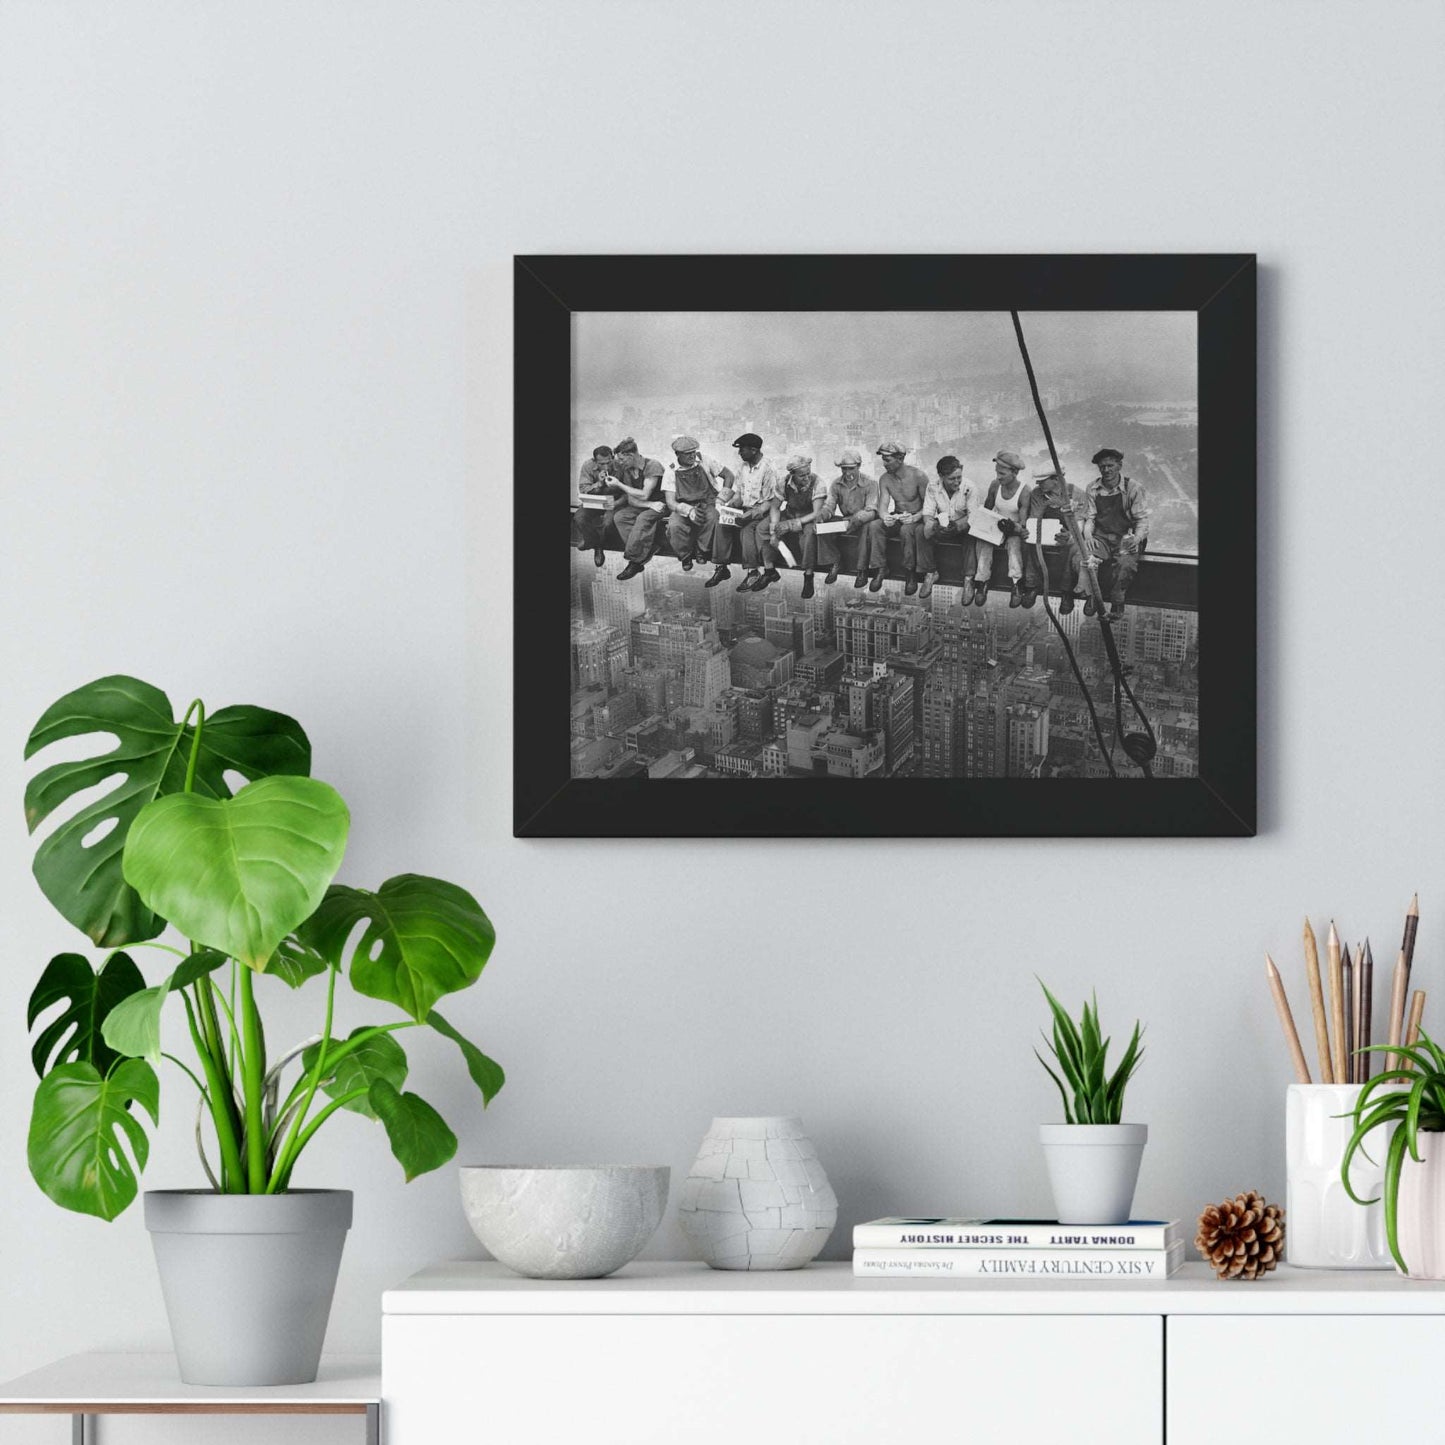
[(1093, 1157), (1404, 1107), (248, 1266)]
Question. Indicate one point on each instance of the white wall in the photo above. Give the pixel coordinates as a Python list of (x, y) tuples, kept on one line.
[(255, 409)]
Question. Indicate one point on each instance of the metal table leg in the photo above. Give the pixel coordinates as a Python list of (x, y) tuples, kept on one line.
[(373, 1425), (80, 1431)]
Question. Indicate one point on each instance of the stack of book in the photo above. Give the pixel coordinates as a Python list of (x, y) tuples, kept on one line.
[(1016, 1249)]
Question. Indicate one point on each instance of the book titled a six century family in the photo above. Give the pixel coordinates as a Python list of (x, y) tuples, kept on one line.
[(945, 1248)]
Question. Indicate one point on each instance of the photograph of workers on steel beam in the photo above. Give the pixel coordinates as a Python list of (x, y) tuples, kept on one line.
[(863, 545)]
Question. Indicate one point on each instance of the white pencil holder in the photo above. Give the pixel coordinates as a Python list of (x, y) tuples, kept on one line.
[(1324, 1227)]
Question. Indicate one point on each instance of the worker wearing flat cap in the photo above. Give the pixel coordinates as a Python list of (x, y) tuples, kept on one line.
[(853, 498), (799, 504), (945, 519), (1050, 495), (904, 490), (754, 485), (1008, 499), (1115, 525), (690, 488), (640, 512), (595, 480)]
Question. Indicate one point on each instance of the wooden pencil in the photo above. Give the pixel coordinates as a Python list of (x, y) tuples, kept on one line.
[(1407, 943), (1357, 1012), (1286, 1022), (1358, 1022), (1338, 1042), (1317, 1004), (1347, 988), (1367, 1011), (1397, 1010), (1417, 1014)]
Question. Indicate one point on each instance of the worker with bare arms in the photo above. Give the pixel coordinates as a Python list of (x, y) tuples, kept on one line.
[(1008, 497), (904, 491)]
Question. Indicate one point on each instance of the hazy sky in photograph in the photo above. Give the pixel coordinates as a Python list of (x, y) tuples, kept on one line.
[(620, 356)]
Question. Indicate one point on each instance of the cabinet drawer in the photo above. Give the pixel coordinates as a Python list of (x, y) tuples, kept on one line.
[(770, 1379), (1322, 1379)]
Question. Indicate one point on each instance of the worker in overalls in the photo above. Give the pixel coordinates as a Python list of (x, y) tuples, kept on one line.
[(945, 519), (1049, 493), (1008, 497), (638, 517), (593, 480), (904, 490), (853, 498), (1115, 525), (690, 488), (755, 483), (799, 504)]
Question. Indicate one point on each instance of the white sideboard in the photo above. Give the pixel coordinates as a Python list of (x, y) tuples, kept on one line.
[(662, 1354)]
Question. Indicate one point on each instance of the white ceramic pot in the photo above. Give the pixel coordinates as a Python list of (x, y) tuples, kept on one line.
[(564, 1223), (757, 1197), (1324, 1227), (1093, 1169), (1420, 1225)]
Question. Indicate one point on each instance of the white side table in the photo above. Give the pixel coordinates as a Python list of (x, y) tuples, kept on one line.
[(84, 1386)]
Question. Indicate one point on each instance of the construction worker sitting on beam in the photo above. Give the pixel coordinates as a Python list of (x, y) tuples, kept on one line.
[(1115, 525), (754, 485), (1008, 496), (690, 488), (595, 480), (799, 504), (640, 512), (945, 519), (1050, 493), (903, 491), (853, 498)]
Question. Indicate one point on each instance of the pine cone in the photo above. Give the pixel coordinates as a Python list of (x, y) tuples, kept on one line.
[(1243, 1237)]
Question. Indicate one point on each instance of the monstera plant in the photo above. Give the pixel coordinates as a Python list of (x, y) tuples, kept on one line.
[(212, 826)]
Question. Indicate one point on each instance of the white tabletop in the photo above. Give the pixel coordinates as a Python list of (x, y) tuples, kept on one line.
[(478, 1287), (97, 1384)]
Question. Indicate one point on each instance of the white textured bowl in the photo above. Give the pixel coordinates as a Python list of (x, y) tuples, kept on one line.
[(564, 1223)]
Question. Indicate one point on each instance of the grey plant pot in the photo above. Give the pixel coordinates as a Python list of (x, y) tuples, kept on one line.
[(1093, 1169), (248, 1280)]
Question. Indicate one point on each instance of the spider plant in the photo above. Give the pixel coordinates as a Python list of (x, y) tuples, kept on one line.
[(1082, 1052), (1410, 1096)]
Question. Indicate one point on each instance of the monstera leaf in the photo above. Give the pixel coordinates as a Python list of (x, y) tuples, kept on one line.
[(78, 866), (423, 938), (380, 1057), (133, 1027), (238, 874), (295, 961), (79, 1127), (486, 1073), (419, 1135), (75, 1036)]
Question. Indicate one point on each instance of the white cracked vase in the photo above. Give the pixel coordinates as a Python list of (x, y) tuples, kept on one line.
[(757, 1197)]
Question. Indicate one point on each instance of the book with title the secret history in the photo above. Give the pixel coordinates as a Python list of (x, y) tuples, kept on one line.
[(923, 1232)]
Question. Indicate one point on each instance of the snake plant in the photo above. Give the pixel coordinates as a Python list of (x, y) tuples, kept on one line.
[(1093, 1096)]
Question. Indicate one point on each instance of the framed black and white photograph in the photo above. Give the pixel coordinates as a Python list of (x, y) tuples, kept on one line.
[(885, 545)]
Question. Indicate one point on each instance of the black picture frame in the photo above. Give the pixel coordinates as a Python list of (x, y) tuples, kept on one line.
[(1219, 802)]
